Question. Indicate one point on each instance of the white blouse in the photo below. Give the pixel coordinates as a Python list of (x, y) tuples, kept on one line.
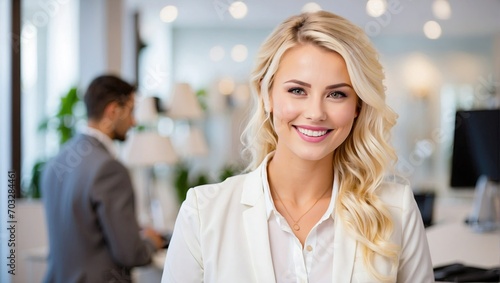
[(291, 262)]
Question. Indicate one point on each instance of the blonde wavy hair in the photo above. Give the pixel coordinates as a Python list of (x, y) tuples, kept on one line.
[(365, 156)]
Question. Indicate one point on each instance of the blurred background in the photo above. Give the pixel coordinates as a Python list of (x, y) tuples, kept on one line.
[(191, 61)]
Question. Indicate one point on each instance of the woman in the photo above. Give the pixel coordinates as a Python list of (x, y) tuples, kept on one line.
[(315, 206)]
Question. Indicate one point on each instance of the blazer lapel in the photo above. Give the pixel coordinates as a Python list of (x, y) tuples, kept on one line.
[(344, 254), (256, 229)]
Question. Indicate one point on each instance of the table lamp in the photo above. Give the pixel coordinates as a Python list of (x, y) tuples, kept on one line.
[(144, 150), (191, 143), (183, 103)]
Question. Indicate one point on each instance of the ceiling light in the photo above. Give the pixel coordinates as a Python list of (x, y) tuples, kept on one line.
[(441, 9), (432, 30), (311, 7), (168, 14), (238, 10), (376, 8), (217, 53), (239, 53)]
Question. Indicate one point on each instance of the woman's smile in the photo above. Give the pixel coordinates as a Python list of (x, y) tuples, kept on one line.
[(312, 134)]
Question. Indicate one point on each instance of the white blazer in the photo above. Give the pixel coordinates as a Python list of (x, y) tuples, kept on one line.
[(221, 235)]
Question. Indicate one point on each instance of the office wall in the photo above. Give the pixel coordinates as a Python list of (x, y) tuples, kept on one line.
[(105, 40), (191, 53)]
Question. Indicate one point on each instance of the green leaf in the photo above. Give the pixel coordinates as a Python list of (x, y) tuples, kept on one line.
[(33, 190), (63, 122)]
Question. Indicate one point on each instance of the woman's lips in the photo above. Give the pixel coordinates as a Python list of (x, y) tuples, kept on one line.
[(312, 134)]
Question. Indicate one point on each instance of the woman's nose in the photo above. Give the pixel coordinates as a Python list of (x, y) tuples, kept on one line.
[(315, 109)]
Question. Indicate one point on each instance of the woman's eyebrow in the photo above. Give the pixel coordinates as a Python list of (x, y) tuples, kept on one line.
[(339, 85), (328, 87)]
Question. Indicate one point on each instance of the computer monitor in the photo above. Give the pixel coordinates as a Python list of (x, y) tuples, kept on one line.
[(476, 148)]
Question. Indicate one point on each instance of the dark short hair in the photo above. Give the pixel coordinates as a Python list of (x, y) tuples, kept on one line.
[(104, 90)]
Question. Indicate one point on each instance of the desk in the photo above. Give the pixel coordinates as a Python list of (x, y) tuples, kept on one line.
[(452, 241), (36, 263)]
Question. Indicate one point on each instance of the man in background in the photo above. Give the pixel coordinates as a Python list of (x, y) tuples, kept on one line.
[(88, 196)]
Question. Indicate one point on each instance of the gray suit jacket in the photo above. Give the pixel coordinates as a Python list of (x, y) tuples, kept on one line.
[(89, 204)]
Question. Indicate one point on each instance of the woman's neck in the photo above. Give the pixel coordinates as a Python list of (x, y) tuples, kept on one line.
[(300, 181)]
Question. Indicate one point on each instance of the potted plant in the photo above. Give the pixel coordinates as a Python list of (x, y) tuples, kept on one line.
[(63, 122)]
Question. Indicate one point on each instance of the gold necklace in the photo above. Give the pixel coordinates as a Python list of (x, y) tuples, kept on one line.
[(296, 225)]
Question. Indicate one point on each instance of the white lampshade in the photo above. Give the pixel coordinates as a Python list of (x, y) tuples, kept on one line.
[(183, 103), (192, 144), (147, 149), (145, 111)]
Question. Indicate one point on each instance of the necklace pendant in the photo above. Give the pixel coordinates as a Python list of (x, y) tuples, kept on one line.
[(296, 227)]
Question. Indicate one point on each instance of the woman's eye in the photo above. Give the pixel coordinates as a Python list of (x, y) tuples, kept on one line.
[(337, 94), (297, 91)]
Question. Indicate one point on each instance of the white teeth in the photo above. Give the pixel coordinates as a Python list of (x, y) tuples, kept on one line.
[(311, 133)]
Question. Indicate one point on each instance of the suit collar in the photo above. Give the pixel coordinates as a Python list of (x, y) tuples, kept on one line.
[(256, 227), (257, 233), (86, 139), (106, 141), (252, 188)]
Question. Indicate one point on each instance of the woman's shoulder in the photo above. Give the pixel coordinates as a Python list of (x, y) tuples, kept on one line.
[(214, 194), (395, 179), (230, 182), (395, 190)]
